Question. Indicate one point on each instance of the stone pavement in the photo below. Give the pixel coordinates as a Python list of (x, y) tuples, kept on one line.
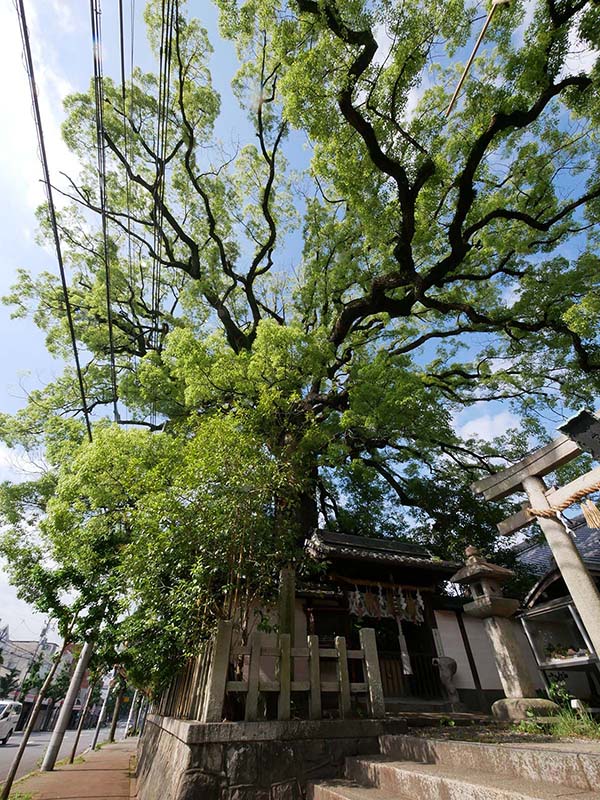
[(105, 774)]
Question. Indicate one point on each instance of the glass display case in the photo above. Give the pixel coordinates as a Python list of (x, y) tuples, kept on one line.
[(557, 636)]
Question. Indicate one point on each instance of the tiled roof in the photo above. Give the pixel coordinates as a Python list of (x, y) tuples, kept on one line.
[(327, 544), (537, 554)]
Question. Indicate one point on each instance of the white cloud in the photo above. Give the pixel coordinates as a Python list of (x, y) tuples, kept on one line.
[(487, 426), (16, 466), (63, 14), (511, 294), (21, 170), (580, 58), (384, 44)]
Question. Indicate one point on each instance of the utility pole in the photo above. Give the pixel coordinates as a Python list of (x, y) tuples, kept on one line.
[(130, 715), (101, 716), (60, 728), (88, 701), (115, 717)]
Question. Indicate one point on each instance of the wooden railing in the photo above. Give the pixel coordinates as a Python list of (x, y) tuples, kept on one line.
[(200, 690)]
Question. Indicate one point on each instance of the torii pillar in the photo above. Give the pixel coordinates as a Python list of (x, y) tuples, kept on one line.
[(577, 578), (527, 475)]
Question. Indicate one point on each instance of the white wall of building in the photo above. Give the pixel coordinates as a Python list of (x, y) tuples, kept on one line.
[(481, 648)]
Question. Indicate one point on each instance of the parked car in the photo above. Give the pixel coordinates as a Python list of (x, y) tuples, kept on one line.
[(9, 716)]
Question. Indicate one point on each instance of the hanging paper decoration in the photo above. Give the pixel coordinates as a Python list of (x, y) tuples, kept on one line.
[(401, 604), (356, 603), (420, 608), (372, 605), (384, 609)]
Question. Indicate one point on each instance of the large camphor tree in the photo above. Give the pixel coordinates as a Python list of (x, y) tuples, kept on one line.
[(298, 318)]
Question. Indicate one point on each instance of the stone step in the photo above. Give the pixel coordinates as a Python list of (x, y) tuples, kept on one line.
[(348, 790), (576, 766), (441, 782)]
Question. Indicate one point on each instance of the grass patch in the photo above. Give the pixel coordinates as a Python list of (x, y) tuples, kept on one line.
[(565, 725), (575, 726), (20, 796)]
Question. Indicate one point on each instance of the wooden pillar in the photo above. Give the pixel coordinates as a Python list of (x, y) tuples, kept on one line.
[(578, 580), (285, 684), (253, 692), (217, 679), (314, 665), (368, 644), (287, 601), (345, 703)]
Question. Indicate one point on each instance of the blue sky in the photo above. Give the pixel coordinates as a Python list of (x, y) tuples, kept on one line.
[(61, 43)]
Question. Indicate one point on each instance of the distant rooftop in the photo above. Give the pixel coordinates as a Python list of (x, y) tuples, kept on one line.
[(537, 554)]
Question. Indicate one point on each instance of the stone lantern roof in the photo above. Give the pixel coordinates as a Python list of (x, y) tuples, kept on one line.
[(476, 568)]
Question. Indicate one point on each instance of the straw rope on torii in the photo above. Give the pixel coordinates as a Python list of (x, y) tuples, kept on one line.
[(589, 509)]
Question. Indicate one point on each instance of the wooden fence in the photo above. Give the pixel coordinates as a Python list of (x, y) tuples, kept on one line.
[(200, 690)]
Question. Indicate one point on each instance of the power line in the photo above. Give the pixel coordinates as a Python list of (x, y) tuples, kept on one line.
[(95, 13), (125, 132), (51, 209), (167, 22)]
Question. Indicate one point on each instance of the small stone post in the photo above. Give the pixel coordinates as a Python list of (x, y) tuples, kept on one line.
[(489, 604)]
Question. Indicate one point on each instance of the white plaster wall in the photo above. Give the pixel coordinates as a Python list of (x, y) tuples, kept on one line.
[(483, 653), (451, 640)]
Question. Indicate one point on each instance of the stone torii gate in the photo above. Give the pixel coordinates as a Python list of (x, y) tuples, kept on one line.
[(546, 503)]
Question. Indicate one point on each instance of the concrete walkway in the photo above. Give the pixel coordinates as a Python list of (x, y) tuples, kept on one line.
[(105, 774)]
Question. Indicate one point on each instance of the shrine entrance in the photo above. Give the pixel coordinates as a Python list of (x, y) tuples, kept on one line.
[(388, 585), (406, 661)]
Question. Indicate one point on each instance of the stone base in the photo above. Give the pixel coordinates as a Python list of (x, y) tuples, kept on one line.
[(520, 708), (185, 760)]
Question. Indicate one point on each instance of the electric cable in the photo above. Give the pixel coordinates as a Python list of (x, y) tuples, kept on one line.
[(51, 208), (95, 14)]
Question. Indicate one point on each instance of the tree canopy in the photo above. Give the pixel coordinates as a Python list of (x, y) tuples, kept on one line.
[(297, 319)]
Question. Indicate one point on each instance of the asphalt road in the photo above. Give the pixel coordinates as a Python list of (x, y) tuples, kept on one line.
[(36, 748)]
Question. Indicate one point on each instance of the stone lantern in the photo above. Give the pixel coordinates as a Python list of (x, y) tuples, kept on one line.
[(485, 581)]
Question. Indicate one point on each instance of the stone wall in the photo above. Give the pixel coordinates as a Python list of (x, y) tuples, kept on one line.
[(180, 760)]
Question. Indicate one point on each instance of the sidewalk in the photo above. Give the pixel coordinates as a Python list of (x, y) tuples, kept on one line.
[(105, 774)]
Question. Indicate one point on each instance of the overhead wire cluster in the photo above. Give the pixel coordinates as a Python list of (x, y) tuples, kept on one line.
[(169, 12), (96, 22), (168, 16), (51, 207), (126, 149)]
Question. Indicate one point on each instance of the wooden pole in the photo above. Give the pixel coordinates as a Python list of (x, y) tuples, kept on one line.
[(568, 559)]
